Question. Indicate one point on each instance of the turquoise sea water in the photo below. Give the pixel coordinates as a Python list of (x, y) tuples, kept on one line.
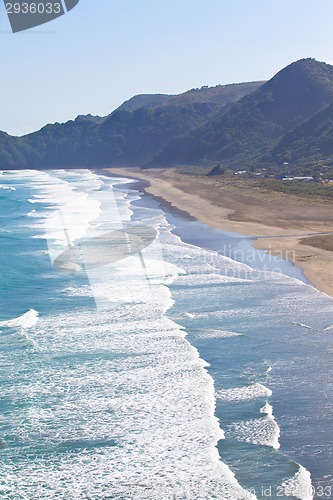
[(180, 374)]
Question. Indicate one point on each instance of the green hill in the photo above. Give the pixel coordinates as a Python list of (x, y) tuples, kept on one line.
[(288, 119), (144, 101), (131, 135), (249, 131), (313, 140)]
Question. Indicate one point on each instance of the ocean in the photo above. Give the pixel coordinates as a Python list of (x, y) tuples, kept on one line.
[(147, 356)]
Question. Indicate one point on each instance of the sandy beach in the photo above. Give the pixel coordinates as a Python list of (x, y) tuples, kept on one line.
[(297, 228)]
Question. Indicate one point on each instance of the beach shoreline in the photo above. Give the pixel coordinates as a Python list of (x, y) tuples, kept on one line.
[(280, 224)]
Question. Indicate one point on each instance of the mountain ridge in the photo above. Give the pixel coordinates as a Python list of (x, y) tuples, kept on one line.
[(254, 125), (245, 125), (114, 140)]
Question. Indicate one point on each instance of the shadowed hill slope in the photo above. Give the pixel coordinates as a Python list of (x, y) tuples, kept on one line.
[(254, 125), (287, 119)]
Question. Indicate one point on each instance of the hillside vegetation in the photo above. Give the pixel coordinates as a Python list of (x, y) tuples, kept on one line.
[(283, 126)]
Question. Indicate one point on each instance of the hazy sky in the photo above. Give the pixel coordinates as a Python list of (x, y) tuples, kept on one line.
[(105, 51)]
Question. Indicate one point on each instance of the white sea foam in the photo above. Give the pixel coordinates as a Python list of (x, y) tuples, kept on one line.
[(139, 284), (70, 211), (208, 277), (188, 315), (217, 334), (78, 211), (261, 431), (299, 486), (249, 392), (131, 408), (27, 320), (82, 291), (9, 188), (133, 397)]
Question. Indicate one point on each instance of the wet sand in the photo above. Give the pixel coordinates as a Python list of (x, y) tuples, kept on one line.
[(297, 228)]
